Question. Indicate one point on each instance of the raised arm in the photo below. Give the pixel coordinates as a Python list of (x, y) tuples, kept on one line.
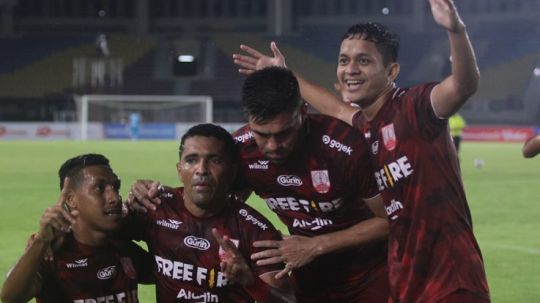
[(453, 92), (320, 98), (24, 281), (297, 251)]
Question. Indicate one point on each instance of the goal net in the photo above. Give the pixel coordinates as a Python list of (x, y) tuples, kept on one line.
[(120, 110)]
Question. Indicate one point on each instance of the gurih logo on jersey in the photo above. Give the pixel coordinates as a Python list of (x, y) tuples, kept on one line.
[(289, 180), (389, 137), (320, 181)]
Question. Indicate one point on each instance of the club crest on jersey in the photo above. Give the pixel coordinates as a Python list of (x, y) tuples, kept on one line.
[(223, 254), (128, 267), (389, 137), (320, 181)]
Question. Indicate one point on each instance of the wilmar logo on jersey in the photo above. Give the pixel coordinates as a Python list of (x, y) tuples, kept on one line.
[(320, 181), (389, 137)]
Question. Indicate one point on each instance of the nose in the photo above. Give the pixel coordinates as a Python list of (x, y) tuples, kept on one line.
[(112, 196), (351, 68), (202, 167), (271, 144)]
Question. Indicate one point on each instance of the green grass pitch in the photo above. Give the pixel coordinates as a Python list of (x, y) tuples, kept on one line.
[(504, 196)]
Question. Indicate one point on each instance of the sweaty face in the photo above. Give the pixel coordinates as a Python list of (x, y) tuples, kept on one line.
[(97, 199), (361, 73), (278, 137), (206, 172)]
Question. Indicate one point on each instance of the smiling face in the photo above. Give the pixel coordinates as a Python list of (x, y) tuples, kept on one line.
[(97, 199), (361, 72), (207, 173), (277, 138)]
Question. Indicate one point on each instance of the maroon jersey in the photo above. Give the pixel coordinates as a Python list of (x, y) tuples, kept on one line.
[(187, 257), (318, 190), (81, 274), (432, 249)]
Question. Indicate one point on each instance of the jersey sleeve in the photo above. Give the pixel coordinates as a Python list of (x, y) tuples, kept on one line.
[(420, 113)]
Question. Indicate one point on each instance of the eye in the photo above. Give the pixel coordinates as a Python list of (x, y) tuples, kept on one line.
[(363, 61), (343, 61), (217, 160)]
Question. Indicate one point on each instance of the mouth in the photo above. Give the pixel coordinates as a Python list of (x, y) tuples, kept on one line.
[(114, 212), (354, 84), (202, 186)]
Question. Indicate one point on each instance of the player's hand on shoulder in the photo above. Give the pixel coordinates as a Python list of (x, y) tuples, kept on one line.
[(144, 195), (255, 60)]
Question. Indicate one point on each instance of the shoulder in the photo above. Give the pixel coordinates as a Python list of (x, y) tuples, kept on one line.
[(336, 136), (250, 218), (414, 93)]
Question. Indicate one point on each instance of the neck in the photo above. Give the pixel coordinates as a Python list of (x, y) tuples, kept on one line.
[(371, 110), (209, 210), (89, 237)]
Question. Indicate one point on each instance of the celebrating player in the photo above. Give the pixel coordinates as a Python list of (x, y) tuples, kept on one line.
[(200, 237), (88, 266)]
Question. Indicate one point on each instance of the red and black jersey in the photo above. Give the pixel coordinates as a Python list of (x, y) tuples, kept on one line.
[(318, 190), (187, 257), (81, 273), (432, 249)]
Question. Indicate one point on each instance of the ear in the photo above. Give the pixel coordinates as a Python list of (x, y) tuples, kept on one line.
[(393, 71), (71, 200)]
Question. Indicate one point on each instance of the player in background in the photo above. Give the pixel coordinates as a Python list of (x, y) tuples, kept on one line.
[(433, 254), (312, 172), (202, 238), (531, 147), (456, 123), (88, 265)]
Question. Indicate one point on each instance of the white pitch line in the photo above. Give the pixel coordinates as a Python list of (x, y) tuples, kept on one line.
[(528, 250)]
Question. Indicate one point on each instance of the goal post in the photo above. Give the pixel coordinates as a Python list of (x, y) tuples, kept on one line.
[(150, 108)]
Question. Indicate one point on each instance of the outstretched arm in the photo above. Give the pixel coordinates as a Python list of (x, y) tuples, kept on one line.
[(320, 98), (24, 282), (297, 251), (265, 288), (531, 147), (453, 92)]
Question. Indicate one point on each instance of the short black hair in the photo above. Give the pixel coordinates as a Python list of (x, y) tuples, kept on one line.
[(386, 42), (212, 131), (269, 92), (72, 167)]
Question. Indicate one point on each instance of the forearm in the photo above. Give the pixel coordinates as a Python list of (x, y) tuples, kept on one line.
[(324, 101), (23, 281), (267, 289), (371, 230), (465, 72)]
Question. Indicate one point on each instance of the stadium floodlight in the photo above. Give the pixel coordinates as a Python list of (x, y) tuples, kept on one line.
[(151, 108)]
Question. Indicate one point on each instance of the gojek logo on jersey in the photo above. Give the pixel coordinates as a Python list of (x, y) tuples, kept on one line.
[(392, 172), (336, 145), (392, 208), (243, 137)]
